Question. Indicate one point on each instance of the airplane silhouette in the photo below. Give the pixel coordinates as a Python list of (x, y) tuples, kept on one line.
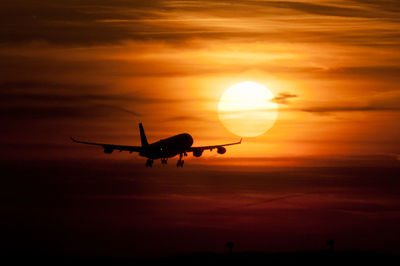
[(163, 149)]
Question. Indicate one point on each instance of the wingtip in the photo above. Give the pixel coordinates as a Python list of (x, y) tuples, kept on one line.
[(240, 141)]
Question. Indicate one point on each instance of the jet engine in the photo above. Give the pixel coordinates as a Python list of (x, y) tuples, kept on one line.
[(197, 152), (221, 150), (108, 149)]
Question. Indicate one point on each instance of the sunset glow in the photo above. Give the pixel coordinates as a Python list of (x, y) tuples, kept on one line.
[(246, 109), (273, 125), (332, 68)]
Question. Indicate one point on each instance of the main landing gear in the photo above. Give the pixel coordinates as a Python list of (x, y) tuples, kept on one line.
[(180, 161), (149, 163)]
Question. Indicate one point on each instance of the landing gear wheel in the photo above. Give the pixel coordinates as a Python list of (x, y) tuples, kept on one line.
[(149, 163), (180, 163)]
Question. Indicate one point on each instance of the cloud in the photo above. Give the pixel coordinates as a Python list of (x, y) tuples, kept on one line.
[(60, 113), (110, 22), (391, 72), (387, 5), (283, 97), (42, 91), (336, 109), (383, 102), (320, 9), (186, 118), (120, 109), (12, 85), (44, 100), (76, 22)]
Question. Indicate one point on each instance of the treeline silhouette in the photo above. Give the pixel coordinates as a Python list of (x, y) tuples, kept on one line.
[(321, 258)]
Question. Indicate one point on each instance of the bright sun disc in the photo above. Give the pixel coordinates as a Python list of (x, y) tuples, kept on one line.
[(246, 109)]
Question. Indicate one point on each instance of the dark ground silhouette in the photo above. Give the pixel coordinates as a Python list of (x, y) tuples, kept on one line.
[(244, 258), (102, 210)]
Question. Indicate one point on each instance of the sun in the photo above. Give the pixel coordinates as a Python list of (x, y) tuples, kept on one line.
[(246, 109)]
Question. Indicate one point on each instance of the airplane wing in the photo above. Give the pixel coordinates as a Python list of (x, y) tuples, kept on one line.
[(109, 148), (197, 151)]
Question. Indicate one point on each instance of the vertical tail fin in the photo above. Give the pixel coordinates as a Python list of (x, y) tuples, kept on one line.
[(143, 138)]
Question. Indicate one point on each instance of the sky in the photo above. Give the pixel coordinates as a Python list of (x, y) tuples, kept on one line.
[(93, 70)]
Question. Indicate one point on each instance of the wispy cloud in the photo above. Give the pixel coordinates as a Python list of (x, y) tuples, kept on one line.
[(183, 118), (105, 22), (284, 97), (383, 102)]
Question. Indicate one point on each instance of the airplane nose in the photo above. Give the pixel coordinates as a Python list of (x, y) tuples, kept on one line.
[(189, 139)]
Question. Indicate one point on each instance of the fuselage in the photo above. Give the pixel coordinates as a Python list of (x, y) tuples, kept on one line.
[(169, 147)]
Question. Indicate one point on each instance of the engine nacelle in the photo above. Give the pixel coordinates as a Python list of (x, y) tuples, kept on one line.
[(197, 152), (221, 150), (108, 150)]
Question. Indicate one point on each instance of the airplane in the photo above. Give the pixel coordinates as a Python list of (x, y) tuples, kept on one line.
[(163, 149)]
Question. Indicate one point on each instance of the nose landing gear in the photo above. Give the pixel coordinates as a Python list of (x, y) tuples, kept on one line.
[(164, 161)]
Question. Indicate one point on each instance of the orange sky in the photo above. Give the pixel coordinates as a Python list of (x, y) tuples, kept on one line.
[(94, 69)]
